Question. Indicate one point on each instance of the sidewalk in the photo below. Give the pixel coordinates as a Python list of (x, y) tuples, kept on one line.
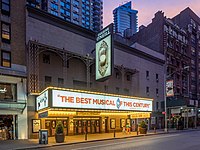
[(33, 143)]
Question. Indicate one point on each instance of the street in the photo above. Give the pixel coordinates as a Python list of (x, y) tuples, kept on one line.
[(176, 141)]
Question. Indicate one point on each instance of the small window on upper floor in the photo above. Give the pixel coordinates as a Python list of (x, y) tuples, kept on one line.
[(157, 92), (126, 91), (117, 90), (128, 77), (5, 32), (67, 63), (60, 82), (47, 81), (147, 90), (147, 75), (5, 59), (5, 7), (46, 58), (117, 75), (157, 78), (157, 105), (105, 88)]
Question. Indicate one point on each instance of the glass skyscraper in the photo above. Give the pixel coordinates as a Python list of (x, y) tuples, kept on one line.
[(86, 13), (125, 19)]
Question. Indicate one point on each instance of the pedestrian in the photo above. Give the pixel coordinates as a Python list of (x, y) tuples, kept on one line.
[(128, 128), (123, 129)]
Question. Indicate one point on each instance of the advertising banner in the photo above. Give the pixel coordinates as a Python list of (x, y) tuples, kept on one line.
[(169, 88), (68, 99), (42, 101)]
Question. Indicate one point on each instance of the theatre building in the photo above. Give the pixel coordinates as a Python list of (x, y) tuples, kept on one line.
[(92, 112), (62, 54)]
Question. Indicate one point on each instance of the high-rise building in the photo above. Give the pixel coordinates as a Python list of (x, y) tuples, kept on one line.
[(86, 13), (125, 20)]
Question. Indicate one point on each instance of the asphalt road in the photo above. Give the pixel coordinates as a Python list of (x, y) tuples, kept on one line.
[(176, 141)]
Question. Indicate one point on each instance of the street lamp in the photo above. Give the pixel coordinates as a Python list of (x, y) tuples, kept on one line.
[(165, 93)]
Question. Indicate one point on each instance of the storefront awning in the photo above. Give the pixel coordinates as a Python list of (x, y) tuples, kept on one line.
[(14, 106)]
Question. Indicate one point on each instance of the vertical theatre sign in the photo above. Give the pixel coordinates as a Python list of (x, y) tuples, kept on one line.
[(104, 53)]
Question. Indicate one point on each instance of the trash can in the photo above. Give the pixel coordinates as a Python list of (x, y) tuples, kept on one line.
[(43, 136)]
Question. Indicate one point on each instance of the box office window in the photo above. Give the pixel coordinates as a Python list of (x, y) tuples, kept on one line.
[(5, 32), (8, 92), (5, 7), (5, 59)]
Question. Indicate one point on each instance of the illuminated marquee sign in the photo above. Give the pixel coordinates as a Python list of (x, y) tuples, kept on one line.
[(42, 101), (104, 53), (68, 99)]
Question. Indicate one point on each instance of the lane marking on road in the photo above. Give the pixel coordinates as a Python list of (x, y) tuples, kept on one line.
[(119, 143)]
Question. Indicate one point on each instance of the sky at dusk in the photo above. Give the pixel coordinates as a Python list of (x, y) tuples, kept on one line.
[(147, 8)]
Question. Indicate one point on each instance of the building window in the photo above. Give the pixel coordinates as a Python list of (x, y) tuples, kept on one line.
[(54, 13), (60, 82), (47, 81), (5, 59), (67, 6), (62, 4), (54, 6), (157, 105), (5, 7), (157, 79), (117, 89), (126, 91), (8, 92), (117, 75), (147, 75), (157, 92), (162, 105), (5, 32), (67, 63), (105, 88), (46, 59), (147, 90), (128, 77)]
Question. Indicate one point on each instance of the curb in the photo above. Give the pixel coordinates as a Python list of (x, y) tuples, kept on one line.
[(91, 141)]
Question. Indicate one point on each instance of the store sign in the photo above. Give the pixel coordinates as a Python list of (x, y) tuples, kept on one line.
[(170, 88), (175, 111), (68, 99), (140, 115), (104, 53), (42, 101)]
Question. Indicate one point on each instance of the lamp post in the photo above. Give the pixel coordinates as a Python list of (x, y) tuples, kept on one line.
[(165, 93)]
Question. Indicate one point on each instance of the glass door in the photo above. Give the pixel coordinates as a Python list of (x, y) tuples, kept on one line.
[(92, 126), (79, 127), (97, 126), (89, 126)]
